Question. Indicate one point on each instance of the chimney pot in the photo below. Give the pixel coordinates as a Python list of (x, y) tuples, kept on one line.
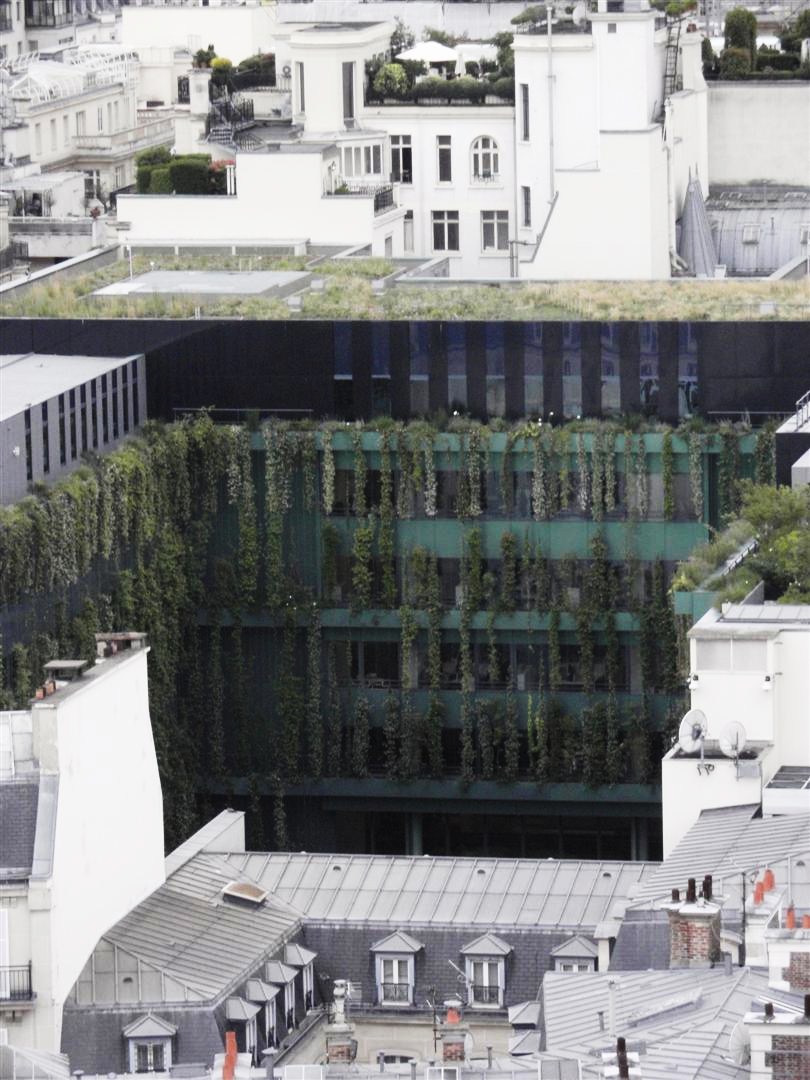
[(676, 896), (621, 1045), (807, 1008), (768, 880), (805, 922), (691, 892), (707, 887), (759, 892), (790, 918), (769, 1010)]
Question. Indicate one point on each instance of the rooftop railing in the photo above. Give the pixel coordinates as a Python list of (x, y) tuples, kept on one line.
[(15, 983)]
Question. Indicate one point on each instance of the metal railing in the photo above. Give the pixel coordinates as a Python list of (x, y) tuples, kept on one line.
[(395, 992), (484, 995), (136, 138), (803, 410), (383, 200), (15, 983)]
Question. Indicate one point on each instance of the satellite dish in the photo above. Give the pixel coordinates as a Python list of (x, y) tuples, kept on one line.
[(739, 1044), (692, 731), (732, 741)]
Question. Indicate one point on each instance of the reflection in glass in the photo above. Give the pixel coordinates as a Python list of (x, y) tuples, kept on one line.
[(533, 369), (611, 396), (420, 367), (572, 370), (687, 370), (456, 367), (648, 369), (496, 382)]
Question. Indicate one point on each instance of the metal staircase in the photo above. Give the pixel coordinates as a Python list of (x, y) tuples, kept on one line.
[(228, 121)]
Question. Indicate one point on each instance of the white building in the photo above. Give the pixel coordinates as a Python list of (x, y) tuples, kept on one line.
[(82, 835), (750, 665), (587, 185)]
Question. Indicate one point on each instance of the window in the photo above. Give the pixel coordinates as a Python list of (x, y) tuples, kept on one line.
[(38, 138), (494, 230), (120, 176), (62, 431), (136, 410), (289, 1004), (533, 369), (367, 159), (407, 231), (109, 116), (80, 122), (420, 366), (380, 370), (750, 234), (309, 985), (299, 80), (348, 90), (456, 366), (572, 370), (115, 403), (115, 113), (611, 398), (105, 416), (53, 135), (66, 129), (496, 380), (125, 397), (83, 400), (687, 370), (574, 965), (444, 158), (150, 1056), (485, 159), (73, 447), (648, 368), (524, 109), (395, 980), (29, 465), (445, 230), (526, 202), (485, 982), (401, 159), (99, 118), (94, 411)]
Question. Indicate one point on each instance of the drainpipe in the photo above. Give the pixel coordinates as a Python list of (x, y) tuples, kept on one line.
[(668, 145), (551, 188)]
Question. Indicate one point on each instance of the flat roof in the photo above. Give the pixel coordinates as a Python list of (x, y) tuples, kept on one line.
[(209, 283), (27, 379)]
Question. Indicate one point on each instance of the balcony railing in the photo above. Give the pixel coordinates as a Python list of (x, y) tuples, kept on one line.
[(45, 13), (383, 194), (395, 992), (129, 141), (484, 995), (15, 983)]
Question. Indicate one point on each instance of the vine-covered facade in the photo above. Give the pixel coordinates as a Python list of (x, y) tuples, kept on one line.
[(389, 636)]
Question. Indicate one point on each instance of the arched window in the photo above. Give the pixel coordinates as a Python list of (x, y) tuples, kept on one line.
[(485, 158)]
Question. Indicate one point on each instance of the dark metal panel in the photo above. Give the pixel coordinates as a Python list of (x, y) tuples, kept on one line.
[(591, 368), (437, 384), (668, 371), (400, 370), (513, 370), (476, 370), (629, 356), (552, 369)]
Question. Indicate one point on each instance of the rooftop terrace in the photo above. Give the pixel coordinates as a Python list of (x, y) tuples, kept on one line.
[(366, 288)]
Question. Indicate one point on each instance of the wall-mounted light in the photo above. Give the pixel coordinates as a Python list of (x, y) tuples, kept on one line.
[(767, 683)]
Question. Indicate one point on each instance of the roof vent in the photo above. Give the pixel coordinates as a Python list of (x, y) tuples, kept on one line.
[(243, 892)]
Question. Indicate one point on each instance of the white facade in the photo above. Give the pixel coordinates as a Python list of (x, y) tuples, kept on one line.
[(236, 31), (750, 665), (98, 848), (588, 185)]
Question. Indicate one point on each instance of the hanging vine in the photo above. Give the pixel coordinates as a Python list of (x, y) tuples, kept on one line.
[(360, 473), (597, 476), (668, 475), (610, 471), (562, 451), (695, 453), (360, 737), (554, 656), (540, 508), (314, 711), (583, 488), (334, 714), (765, 455), (509, 571), (386, 540), (362, 575), (328, 472)]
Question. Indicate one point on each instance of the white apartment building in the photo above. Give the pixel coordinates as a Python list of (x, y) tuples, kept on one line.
[(585, 181), (77, 112), (82, 835)]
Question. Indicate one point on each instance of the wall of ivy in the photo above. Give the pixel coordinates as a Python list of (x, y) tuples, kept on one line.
[(263, 562)]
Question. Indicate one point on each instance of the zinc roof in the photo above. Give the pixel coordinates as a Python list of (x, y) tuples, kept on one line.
[(725, 842), (682, 1016), (186, 930), (424, 891)]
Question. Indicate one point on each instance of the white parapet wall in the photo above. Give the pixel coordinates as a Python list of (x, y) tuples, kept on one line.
[(759, 132)]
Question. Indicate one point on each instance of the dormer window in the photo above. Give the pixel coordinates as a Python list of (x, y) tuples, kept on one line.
[(395, 968), (576, 954), (485, 968)]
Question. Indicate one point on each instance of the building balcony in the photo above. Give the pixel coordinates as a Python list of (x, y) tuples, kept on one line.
[(383, 194), (48, 13), (121, 144), (15, 987)]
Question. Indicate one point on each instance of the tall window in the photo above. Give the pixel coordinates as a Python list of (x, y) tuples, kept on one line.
[(407, 231), (125, 396), (420, 368), (494, 230), (526, 201), (444, 156), (136, 405), (648, 368), (94, 411), (299, 78), (496, 381), (572, 370), (611, 395), (395, 980), (524, 109), (456, 366), (80, 122), (343, 372), (687, 370), (401, 159), (115, 404), (380, 370), (38, 138), (29, 464), (533, 369), (445, 230), (348, 91), (485, 981), (485, 159)]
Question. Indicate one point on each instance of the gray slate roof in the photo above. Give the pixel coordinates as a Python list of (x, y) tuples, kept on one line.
[(187, 931), (695, 245), (18, 814), (678, 1016), (759, 228), (489, 893)]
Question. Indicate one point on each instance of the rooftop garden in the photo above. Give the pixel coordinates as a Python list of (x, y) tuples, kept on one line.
[(348, 293), (740, 58)]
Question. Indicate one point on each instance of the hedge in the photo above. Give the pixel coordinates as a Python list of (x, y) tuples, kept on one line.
[(161, 181), (189, 177)]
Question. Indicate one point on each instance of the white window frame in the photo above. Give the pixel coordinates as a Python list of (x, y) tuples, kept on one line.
[(471, 961), (445, 218), (308, 980), (485, 148), (399, 959), (444, 145), (494, 220), (573, 965), (399, 144), (164, 1041)]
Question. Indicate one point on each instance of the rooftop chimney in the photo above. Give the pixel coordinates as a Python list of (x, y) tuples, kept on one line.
[(694, 928), (621, 1064), (454, 1035)]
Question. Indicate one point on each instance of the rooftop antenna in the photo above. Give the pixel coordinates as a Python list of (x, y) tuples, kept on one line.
[(739, 1044), (733, 739), (692, 732)]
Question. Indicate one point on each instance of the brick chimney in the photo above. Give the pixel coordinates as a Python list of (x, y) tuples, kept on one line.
[(694, 927), (780, 1043), (454, 1034), (789, 959)]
